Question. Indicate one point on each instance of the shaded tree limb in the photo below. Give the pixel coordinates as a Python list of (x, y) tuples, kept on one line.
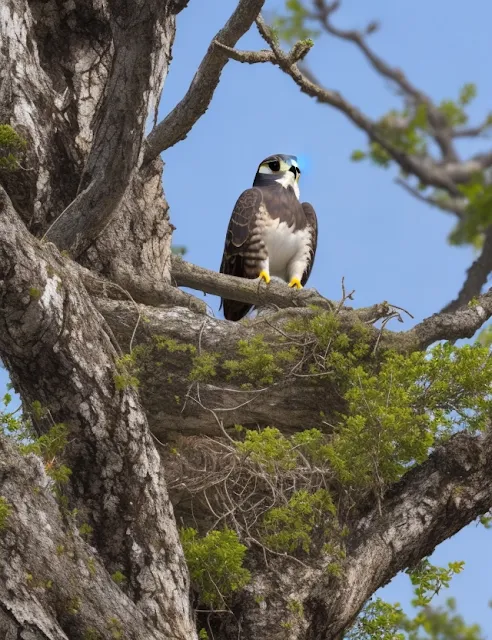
[(62, 355), (143, 35), (53, 583), (476, 277), (179, 122), (429, 505)]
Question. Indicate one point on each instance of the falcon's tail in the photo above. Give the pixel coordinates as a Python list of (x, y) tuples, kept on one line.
[(234, 310)]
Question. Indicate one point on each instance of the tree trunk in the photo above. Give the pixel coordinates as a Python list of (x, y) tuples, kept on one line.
[(85, 277)]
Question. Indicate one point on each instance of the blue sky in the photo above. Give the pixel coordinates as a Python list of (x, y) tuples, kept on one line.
[(387, 245)]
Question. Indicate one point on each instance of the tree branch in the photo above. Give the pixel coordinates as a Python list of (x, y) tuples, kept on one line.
[(451, 205), (429, 505), (61, 354), (141, 43), (179, 122), (425, 170), (185, 274), (442, 133), (293, 401), (297, 53), (476, 277)]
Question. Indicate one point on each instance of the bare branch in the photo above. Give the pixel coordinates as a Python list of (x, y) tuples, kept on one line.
[(440, 129), (426, 171), (185, 274), (179, 122), (473, 132), (476, 276), (451, 205), (297, 53)]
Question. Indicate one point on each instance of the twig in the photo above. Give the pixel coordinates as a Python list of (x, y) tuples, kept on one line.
[(178, 123)]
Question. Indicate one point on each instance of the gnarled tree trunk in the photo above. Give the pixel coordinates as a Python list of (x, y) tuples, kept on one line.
[(85, 274)]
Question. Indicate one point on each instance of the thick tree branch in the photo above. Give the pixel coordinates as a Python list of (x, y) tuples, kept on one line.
[(430, 504), (476, 277), (179, 122), (222, 402), (53, 583), (185, 274), (61, 354), (141, 51)]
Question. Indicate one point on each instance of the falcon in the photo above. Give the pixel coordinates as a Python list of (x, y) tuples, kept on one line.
[(271, 233)]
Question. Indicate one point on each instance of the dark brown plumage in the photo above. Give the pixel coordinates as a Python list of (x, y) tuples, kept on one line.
[(267, 208)]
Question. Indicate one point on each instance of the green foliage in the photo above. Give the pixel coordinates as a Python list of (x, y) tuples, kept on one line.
[(85, 530), (18, 429), (396, 414), (179, 250), (296, 608), (204, 367), (292, 25), (290, 528), (91, 565), (49, 448), (203, 635), (115, 628), (118, 577), (379, 620), (269, 448), (468, 93), (441, 623), (127, 371), (428, 580), (11, 145), (34, 293), (258, 362), (73, 607), (5, 511), (173, 346), (478, 214), (403, 130), (384, 621), (215, 563), (334, 352)]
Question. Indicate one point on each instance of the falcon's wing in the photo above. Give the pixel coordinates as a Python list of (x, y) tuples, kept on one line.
[(312, 221), (238, 232)]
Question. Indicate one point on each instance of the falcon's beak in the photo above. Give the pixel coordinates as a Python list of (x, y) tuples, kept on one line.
[(295, 171)]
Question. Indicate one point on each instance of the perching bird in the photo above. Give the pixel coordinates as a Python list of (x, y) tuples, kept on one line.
[(270, 232)]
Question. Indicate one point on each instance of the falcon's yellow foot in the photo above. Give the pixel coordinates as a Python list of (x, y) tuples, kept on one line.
[(295, 282), (264, 276)]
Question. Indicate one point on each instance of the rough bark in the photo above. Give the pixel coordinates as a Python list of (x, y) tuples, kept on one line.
[(60, 353), (79, 81)]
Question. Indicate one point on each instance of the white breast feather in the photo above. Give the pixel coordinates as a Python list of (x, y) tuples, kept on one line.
[(285, 246)]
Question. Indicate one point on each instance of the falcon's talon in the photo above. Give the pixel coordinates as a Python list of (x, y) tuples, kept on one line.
[(295, 282), (264, 276)]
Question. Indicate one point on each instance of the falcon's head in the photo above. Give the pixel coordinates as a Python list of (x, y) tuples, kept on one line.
[(281, 169)]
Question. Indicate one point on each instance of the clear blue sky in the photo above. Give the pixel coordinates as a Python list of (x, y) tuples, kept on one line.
[(386, 245)]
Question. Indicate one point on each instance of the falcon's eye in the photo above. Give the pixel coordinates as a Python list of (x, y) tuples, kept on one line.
[(275, 165)]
